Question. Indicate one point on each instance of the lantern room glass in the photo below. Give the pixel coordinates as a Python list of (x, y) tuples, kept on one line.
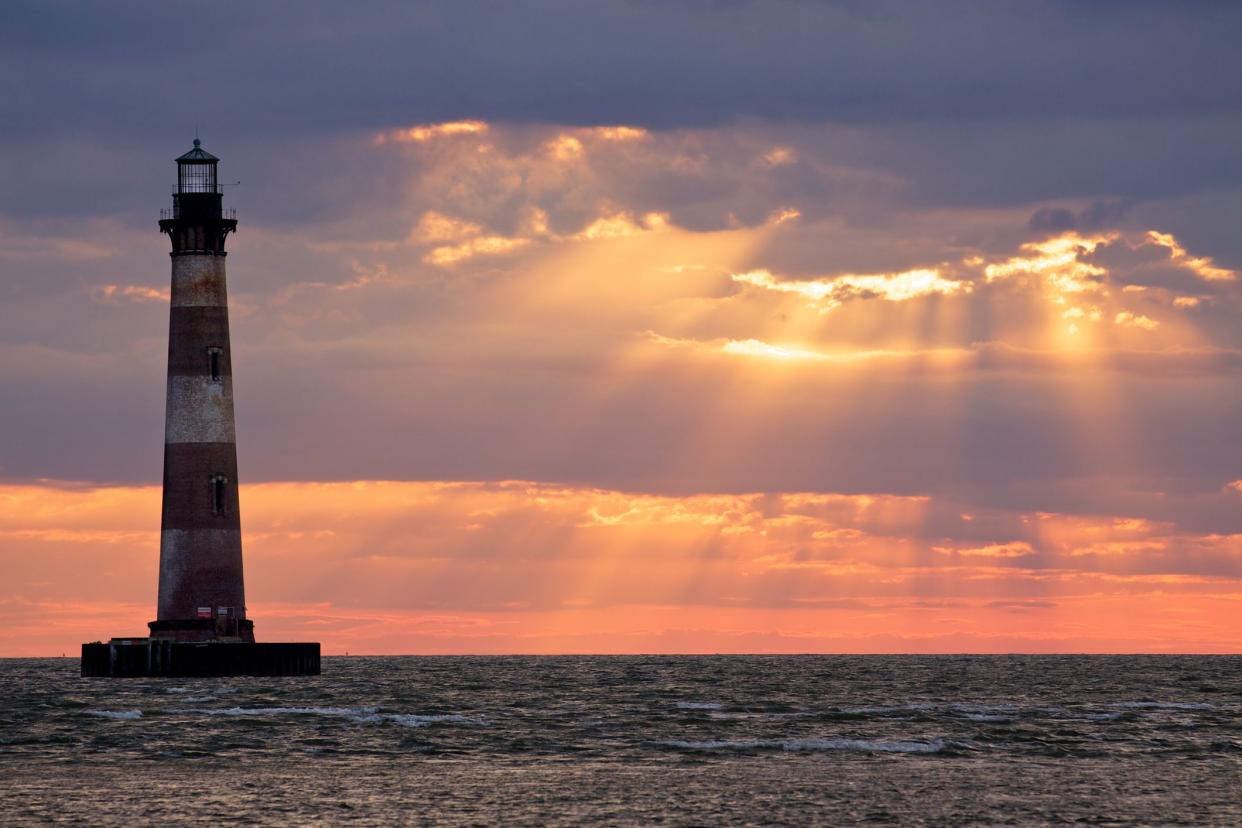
[(196, 177)]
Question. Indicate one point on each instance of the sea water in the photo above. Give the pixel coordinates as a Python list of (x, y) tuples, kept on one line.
[(676, 740)]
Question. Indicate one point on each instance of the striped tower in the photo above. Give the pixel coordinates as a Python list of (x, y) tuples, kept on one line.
[(201, 595)]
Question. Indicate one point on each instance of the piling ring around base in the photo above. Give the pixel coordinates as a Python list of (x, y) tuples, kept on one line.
[(145, 657)]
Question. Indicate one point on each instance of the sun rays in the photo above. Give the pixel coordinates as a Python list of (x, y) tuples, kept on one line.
[(413, 566)]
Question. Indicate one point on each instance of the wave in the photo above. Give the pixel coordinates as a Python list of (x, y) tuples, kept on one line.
[(806, 745), (682, 705), (219, 691), (115, 714), (1151, 705), (416, 720), (288, 711), (365, 715), (885, 708)]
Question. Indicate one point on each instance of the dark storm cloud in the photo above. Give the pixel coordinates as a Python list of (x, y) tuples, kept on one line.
[(289, 67), (967, 103), (1098, 215)]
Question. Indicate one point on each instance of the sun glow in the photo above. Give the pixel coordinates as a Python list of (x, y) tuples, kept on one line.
[(834, 291), (620, 133), (426, 132), (1059, 260), (753, 347), (1201, 265), (367, 565), (622, 224)]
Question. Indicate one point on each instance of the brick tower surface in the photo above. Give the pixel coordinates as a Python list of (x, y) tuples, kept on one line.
[(201, 592)]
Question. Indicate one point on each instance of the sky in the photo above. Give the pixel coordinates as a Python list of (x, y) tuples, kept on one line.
[(701, 326)]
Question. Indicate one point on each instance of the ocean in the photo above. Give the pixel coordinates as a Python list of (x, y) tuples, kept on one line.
[(633, 740)]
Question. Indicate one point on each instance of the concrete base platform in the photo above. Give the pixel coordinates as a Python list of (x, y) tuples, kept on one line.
[(141, 657)]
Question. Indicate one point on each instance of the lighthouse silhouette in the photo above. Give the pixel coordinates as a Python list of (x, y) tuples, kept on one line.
[(201, 626)]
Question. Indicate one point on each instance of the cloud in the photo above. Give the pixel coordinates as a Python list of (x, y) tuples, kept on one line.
[(1061, 260), (1135, 321), (1012, 549), (1201, 265), (636, 269), (646, 316), (619, 225), (427, 132), (828, 61), (515, 566), (831, 292), (1098, 215), (482, 245), (1021, 606), (130, 293)]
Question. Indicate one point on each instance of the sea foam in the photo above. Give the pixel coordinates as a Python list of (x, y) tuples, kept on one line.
[(288, 711), (802, 745), (364, 715)]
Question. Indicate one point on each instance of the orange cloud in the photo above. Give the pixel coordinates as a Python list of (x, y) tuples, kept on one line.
[(565, 148), (132, 293), (468, 239), (832, 292), (1200, 265), (619, 225), (426, 132), (1013, 549), (1059, 260), (620, 133), (1135, 321), (519, 567)]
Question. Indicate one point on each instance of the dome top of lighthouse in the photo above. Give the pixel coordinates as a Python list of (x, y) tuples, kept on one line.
[(198, 155)]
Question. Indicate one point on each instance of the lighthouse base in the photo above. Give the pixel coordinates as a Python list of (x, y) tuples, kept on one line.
[(148, 657)]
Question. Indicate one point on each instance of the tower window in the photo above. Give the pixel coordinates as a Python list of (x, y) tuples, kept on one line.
[(218, 482), (213, 359)]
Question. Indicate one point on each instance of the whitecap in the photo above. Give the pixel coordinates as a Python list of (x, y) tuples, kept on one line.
[(423, 720), (363, 715), (893, 708), (116, 714), (734, 716), (932, 746), (806, 745), (1151, 705), (288, 711)]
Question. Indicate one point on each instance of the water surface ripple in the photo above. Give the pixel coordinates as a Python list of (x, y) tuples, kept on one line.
[(681, 740)]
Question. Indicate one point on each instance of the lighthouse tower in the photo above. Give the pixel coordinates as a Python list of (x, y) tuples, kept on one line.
[(200, 628), (201, 595)]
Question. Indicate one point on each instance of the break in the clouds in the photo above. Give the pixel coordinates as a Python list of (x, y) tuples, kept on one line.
[(808, 313)]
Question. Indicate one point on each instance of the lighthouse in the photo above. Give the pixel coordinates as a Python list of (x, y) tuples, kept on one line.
[(201, 591), (201, 625)]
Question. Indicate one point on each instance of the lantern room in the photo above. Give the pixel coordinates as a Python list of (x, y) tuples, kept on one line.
[(196, 171), (198, 222)]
